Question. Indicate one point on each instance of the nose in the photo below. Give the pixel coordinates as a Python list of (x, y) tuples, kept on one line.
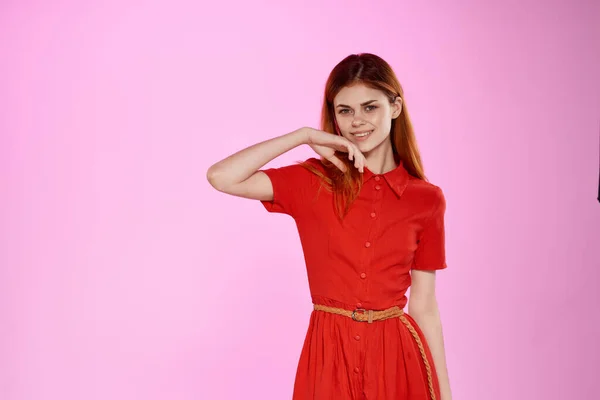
[(357, 122)]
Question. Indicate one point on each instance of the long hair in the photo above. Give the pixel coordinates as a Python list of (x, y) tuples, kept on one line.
[(376, 73)]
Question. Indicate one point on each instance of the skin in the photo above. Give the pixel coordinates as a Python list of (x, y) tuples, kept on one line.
[(359, 108), (238, 175)]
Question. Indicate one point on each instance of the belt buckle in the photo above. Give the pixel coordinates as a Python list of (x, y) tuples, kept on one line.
[(354, 313)]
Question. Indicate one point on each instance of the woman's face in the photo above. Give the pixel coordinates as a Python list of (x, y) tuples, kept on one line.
[(364, 116)]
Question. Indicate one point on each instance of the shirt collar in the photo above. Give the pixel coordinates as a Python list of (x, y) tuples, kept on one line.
[(397, 178)]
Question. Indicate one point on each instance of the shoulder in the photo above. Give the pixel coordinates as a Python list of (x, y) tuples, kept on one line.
[(309, 162), (314, 162), (426, 193), (300, 170), (311, 167)]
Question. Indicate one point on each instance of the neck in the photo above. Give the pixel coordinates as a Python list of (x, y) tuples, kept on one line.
[(381, 160)]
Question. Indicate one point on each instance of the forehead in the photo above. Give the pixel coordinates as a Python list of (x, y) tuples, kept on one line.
[(356, 94)]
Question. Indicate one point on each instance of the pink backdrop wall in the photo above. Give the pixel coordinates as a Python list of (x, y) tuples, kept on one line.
[(123, 275)]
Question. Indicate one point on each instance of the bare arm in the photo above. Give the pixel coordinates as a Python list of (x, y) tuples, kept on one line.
[(239, 173), (423, 308)]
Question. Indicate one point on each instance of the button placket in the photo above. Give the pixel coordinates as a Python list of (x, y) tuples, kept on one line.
[(375, 187), (373, 214)]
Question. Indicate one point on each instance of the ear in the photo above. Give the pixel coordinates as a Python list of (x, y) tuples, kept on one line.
[(397, 107)]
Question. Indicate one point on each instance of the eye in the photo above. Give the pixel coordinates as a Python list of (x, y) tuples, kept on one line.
[(370, 108), (344, 111)]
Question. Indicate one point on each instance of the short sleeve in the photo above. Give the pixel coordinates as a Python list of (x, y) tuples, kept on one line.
[(292, 185), (431, 248)]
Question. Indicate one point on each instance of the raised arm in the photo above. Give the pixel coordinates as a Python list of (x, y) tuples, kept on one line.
[(239, 174)]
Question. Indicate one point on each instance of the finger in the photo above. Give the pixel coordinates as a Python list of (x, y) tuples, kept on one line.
[(357, 156), (360, 162), (348, 150)]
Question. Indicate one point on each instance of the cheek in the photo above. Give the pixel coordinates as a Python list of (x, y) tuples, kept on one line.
[(384, 118), (344, 124), (384, 124)]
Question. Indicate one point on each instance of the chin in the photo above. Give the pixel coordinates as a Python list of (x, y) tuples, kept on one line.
[(364, 147), (370, 145)]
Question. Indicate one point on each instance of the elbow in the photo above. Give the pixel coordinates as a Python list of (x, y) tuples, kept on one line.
[(424, 309), (210, 176), (421, 314), (213, 178), (426, 318)]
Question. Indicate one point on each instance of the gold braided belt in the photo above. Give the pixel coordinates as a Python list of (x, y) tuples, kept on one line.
[(362, 315)]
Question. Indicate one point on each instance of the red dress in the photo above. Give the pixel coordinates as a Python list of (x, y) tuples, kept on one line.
[(363, 262)]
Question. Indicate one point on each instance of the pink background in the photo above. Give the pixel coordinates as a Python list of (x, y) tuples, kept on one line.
[(124, 275)]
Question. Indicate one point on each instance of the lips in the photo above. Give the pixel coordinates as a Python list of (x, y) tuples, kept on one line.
[(362, 134)]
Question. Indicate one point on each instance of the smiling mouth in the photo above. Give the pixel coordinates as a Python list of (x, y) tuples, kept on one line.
[(363, 134)]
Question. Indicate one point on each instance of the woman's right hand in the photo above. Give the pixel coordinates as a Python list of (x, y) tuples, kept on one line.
[(326, 144)]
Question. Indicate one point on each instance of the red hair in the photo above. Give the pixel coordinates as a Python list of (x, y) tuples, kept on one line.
[(376, 73)]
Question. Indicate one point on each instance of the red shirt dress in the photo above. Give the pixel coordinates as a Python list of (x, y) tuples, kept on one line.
[(363, 262)]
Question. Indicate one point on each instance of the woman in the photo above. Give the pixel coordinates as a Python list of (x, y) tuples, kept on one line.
[(371, 226)]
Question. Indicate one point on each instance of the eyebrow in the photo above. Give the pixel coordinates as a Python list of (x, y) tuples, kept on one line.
[(366, 103)]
